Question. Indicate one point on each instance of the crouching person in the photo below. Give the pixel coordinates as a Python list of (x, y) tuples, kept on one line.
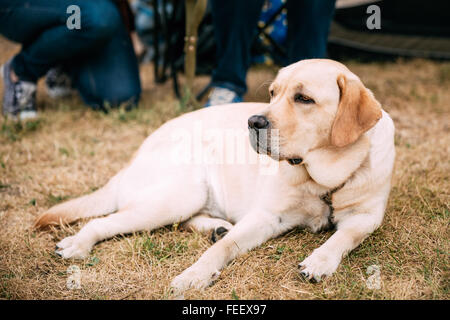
[(93, 55)]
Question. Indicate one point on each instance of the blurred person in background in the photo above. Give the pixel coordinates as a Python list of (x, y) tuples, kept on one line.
[(235, 24), (97, 60)]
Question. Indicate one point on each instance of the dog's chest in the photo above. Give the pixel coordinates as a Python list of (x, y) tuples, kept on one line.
[(304, 206), (295, 204)]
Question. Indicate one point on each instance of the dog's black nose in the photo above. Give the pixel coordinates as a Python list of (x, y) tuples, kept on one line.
[(258, 122)]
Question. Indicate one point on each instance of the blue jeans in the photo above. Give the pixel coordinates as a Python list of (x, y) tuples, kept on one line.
[(99, 57), (235, 28)]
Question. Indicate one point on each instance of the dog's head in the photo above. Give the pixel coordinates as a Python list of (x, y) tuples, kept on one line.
[(314, 103)]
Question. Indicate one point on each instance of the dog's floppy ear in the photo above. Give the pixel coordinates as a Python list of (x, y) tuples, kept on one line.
[(358, 111)]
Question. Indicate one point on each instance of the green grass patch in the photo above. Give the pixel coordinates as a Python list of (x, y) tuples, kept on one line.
[(52, 199), (15, 130), (160, 250)]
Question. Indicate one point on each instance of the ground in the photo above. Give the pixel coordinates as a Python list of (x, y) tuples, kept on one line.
[(72, 150)]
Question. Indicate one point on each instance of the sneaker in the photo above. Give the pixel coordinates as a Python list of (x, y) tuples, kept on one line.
[(19, 98), (222, 96), (58, 83)]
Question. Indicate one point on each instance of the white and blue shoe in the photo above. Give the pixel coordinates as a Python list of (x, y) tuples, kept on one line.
[(19, 98), (58, 83), (221, 95)]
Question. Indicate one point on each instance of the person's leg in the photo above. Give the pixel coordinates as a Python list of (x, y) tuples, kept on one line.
[(235, 24), (110, 77), (40, 26), (308, 26)]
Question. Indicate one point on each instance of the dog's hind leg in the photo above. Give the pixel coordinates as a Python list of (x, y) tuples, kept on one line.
[(161, 207), (204, 223)]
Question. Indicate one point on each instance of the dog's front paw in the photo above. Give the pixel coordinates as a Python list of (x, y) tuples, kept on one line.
[(317, 265), (193, 277), (72, 247)]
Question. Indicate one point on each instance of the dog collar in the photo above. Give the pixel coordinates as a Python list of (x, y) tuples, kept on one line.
[(328, 199)]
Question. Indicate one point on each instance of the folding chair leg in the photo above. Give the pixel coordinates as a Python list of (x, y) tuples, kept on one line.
[(195, 10)]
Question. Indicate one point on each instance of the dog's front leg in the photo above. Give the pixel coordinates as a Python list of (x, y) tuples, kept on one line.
[(350, 233), (251, 231)]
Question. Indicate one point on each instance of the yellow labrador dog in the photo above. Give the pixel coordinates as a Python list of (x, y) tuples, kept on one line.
[(319, 155)]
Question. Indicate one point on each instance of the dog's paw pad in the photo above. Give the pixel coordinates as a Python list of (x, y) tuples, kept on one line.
[(218, 234)]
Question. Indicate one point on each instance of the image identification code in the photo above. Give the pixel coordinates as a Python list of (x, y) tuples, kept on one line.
[(230, 309)]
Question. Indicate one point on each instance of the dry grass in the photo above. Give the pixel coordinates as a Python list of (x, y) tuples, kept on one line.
[(73, 150)]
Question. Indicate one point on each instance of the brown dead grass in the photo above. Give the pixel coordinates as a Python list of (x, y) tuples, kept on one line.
[(73, 150)]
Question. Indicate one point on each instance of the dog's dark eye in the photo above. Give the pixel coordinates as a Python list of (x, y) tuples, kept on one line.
[(271, 93), (302, 99)]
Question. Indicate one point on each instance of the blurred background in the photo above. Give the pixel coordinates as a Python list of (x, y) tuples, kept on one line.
[(408, 29)]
